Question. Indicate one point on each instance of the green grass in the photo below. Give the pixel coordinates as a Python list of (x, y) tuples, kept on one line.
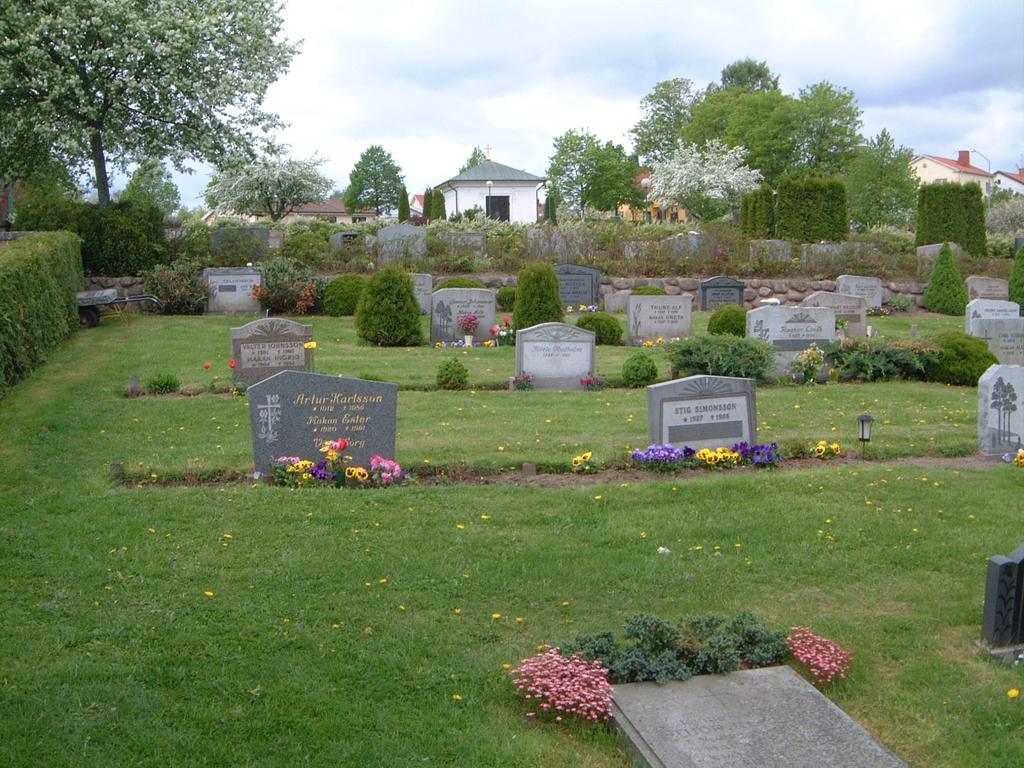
[(112, 655)]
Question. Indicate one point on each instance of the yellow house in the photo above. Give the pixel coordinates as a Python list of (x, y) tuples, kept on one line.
[(932, 169), (655, 211)]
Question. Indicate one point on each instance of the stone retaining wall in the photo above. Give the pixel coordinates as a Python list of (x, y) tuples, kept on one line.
[(126, 286)]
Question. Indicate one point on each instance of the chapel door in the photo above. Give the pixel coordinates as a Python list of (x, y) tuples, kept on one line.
[(498, 207)]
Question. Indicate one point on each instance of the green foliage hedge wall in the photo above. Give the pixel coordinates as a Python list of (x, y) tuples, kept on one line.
[(953, 213), (812, 209), (39, 275)]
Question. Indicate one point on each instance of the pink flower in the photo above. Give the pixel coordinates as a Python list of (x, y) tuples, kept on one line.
[(494, 330), (565, 685), (824, 658)]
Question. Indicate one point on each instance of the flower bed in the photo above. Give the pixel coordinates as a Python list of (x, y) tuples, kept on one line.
[(668, 458)]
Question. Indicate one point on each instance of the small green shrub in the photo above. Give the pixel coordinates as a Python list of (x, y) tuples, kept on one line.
[(946, 292), (1017, 279), (388, 314), (460, 282), (639, 370), (605, 327), (900, 303), (878, 360), (728, 320), (179, 286), (163, 384), (288, 287), (506, 298), (961, 359), (721, 356), (537, 298), (341, 297), (648, 290), (452, 374)]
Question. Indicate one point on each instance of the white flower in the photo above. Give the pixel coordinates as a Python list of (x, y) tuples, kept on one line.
[(664, 551)]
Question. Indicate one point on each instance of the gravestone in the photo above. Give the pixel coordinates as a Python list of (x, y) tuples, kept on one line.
[(702, 412), (770, 250), (558, 356), (616, 301), (791, 330), (928, 254), (1005, 338), (578, 284), (653, 317), (769, 718), (1002, 620), (401, 241), (988, 309), (423, 287), (269, 346), (473, 244), (987, 288), (685, 244), (852, 309), (252, 243), (1001, 410), (826, 257), (634, 250), (340, 240), (229, 290), (566, 245), (293, 413), (448, 305), (719, 291), (867, 288)]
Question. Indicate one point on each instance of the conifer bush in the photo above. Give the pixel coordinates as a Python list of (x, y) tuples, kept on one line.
[(605, 327), (388, 314), (728, 320), (452, 374), (946, 292), (537, 297), (649, 290), (506, 298), (1017, 279), (639, 370), (341, 296), (961, 359)]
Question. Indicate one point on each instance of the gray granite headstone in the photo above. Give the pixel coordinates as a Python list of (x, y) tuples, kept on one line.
[(229, 290), (293, 413), (401, 241), (448, 305), (719, 291), (1001, 410), (616, 301), (578, 284), (472, 244), (1003, 616), (702, 412), (987, 288), (852, 309), (269, 346), (566, 245), (770, 250), (988, 309), (254, 243), (868, 288), (684, 244), (822, 257), (423, 287), (1005, 338), (340, 240), (654, 317), (558, 356), (769, 718), (790, 330)]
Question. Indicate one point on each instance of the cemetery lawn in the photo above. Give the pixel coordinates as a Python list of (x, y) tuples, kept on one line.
[(240, 624)]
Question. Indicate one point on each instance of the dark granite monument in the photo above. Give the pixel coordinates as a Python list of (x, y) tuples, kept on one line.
[(293, 413), (1003, 618), (717, 291), (578, 284)]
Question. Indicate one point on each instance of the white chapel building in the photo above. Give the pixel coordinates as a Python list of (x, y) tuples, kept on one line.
[(502, 192)]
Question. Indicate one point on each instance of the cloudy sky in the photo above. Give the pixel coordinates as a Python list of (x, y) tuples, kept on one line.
[(429, 80)]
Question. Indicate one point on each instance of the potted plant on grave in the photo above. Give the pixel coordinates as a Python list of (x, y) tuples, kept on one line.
[(468, 324)]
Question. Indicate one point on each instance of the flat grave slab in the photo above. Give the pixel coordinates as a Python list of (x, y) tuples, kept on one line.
[(769, 718)]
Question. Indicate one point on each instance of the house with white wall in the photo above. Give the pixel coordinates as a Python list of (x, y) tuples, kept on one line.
[(932, 169), (502, 192), (1010, 180)]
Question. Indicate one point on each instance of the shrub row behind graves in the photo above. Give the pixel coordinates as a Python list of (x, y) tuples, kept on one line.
[(757, 214), (721, 356), (39, 276), (952, 213), (812, 209)]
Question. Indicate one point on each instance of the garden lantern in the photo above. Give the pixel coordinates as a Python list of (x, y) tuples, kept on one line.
[(864, 424)]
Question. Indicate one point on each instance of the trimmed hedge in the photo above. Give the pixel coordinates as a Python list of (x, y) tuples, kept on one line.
[(757, 214), (952, 213), (39, 276), (812, 209), (1017, 279)]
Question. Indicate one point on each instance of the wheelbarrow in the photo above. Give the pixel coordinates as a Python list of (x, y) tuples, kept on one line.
[(91, 303)]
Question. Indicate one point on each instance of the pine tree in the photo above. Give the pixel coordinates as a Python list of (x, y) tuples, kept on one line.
[(403, 204), (428, 204)]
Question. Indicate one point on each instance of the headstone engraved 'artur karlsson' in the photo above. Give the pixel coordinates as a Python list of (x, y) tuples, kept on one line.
[(293, 413), (268, 346), (702, 412)]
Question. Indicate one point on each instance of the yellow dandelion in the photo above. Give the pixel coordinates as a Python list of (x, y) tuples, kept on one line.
[(496, 616), (456, 697), (586, 455), (309, 345), (1013, 693), (208, 593)]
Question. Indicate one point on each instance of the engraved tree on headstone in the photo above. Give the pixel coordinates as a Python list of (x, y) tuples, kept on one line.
[(444, 318), (1004, 402)]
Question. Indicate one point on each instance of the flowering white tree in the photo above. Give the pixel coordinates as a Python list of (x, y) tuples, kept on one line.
[(271, 185), (99, 80), (706, 182)]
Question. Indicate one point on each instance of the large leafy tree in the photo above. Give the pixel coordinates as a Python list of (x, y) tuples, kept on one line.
[(111, 81), (881, 183), (666, 110), (829, 129), (476, 157), (272, 185), (706, 181), (747, 75), (573, 166), (151, 184), (375, 182)]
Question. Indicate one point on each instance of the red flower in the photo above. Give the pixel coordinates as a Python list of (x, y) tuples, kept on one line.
[(342, 443), (233, 363), (206, 365)]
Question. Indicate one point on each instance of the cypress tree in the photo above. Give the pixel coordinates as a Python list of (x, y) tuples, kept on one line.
[(946, 292), (537, 296), (1017, 279), (428, 201), (437, 211), (403, 205)]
